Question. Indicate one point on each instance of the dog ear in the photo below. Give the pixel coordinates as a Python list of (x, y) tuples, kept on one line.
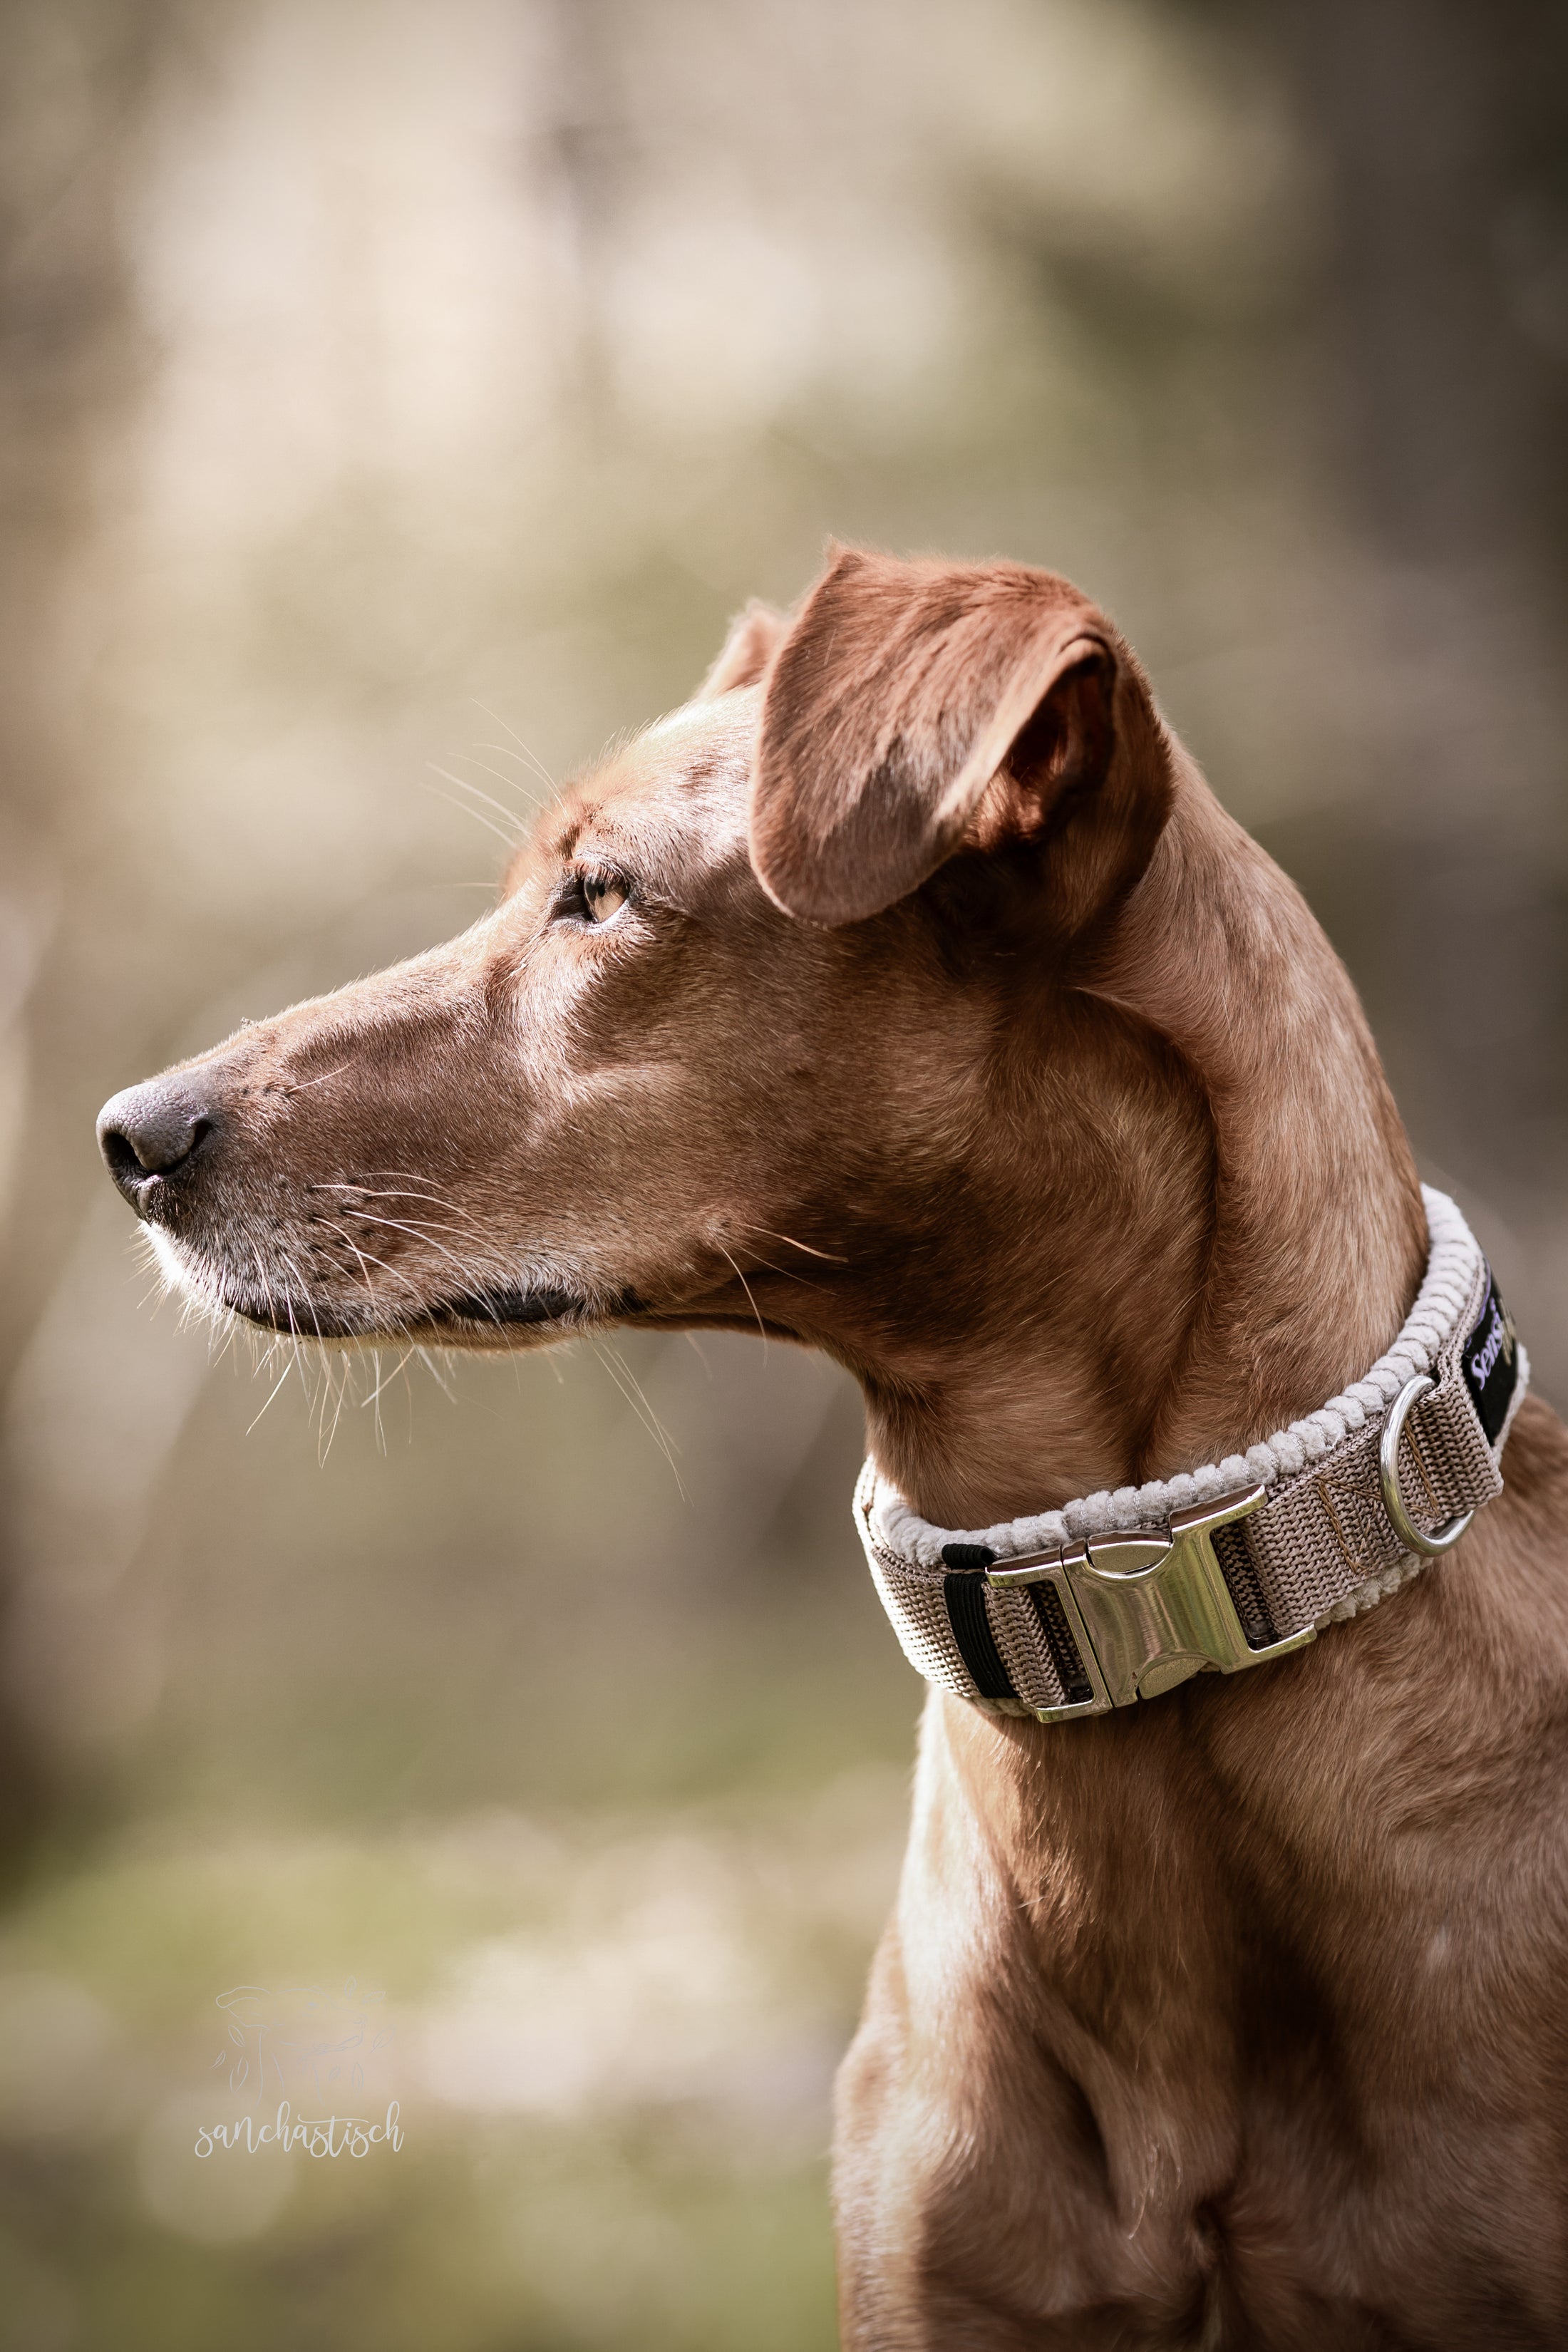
[(916, 708), (746, 651)]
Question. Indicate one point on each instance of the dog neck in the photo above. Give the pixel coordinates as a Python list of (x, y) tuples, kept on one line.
[(1249, 1245)]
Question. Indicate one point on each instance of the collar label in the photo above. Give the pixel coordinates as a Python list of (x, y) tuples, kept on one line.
[(1490, 1362)]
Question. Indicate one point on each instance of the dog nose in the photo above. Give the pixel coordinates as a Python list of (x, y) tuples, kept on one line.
[(150, 1130)]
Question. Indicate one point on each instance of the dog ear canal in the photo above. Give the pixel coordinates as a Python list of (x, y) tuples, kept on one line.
[(913, 709), (1066, 746), (745, 652)]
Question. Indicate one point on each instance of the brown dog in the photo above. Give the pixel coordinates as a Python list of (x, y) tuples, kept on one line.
[(914, 957)]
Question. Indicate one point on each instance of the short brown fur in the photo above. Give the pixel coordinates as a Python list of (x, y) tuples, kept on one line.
[(949, 1026)]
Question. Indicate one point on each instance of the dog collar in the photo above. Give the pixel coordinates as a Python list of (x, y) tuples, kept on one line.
[(1122, 1596)]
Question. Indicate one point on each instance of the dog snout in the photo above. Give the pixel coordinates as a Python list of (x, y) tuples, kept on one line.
[(149, 1133)]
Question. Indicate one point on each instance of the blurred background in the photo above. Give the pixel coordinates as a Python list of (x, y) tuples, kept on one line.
[(395, 399)]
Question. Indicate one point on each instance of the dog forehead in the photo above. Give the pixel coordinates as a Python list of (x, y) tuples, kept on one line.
[(675, 791)]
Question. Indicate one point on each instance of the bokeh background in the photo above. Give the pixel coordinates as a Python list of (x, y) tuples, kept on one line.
[(395, 398)]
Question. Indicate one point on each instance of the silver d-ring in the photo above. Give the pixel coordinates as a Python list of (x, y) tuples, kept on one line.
[(1442, 1538)]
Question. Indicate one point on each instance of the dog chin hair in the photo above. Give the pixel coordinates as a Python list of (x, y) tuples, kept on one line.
[(184, 1276), (568, 1300), (190, 1277)]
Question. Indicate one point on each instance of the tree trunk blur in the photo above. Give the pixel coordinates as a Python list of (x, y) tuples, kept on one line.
[(1441, 130)]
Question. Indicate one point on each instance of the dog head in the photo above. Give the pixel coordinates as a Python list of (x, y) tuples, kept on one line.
[(766, 1014)]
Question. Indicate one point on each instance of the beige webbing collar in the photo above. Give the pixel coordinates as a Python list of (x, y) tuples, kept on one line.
[(1120, 1596)]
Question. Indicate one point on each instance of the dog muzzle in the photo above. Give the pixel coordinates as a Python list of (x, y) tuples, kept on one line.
[(1122, 1596)]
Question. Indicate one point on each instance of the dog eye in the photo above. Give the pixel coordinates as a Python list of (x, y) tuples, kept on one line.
[(604, 895), (590, 896)]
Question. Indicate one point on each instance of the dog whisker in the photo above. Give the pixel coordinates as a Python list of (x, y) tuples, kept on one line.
[(420, 1233), (631, 1388), (271, 1394), (304, 1294), (373, 1192), (785, 1273), (447, 1388), (337, 1411), (510, 782), (382, 1382), (360, 1254), (511, 839), (746, 1286), (369, 1258), (830, 1257), (491, 802), (522, 751)]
